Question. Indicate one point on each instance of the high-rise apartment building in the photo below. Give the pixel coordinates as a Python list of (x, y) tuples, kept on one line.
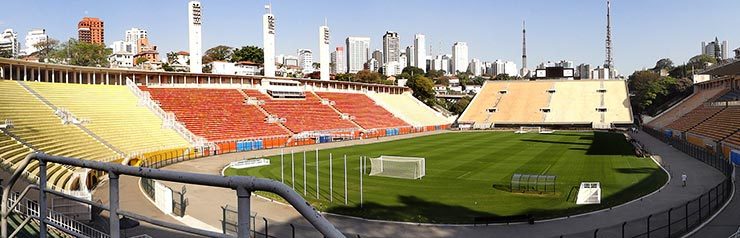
[(420, 53), (391, 47), (358, 50), (9, 42), (34, 37), (91, 30), (459, 57), (338, 60)]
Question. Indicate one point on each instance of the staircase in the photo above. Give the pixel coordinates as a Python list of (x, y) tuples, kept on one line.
[(81, 127), (337, 111), (265, 112)]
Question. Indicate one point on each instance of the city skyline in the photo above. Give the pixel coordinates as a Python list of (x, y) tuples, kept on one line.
[(577, 40)]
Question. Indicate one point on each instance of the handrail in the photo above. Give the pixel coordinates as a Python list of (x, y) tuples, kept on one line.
[(169, 119), (243, 185), (55, 217)]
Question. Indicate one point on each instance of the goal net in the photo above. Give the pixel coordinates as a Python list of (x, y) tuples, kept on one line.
[(398, 167), (589, 193), (526, 129)]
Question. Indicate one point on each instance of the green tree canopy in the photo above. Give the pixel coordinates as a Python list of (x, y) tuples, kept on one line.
[(423, 88), (647, 86), (411, 70), (218, 53), (664, 63), (82, 54), (46, 48), (367, 76), (503, 77), (458, 107), (435, 74), (249, 53)]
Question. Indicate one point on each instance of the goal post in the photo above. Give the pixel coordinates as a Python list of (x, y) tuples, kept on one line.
[(526, 129), (398, 167)]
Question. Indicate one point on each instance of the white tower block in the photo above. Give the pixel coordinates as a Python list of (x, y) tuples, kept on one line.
[(268, 37), (324, 60), (194, 36)]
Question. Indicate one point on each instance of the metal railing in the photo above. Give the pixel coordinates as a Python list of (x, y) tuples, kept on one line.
[(682, 219), (30, 208), (243, 186)]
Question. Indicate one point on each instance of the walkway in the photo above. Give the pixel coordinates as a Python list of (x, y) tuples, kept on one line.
[(205, 203), (727, 222)]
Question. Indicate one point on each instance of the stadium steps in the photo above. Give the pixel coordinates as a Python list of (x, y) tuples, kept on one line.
[(301, 115), (337, 110), (367, 112), (36, 126), (83, 128), (138, 131), (736, 132), (259, 107)]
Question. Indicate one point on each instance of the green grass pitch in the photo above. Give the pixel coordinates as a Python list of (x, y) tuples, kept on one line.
[(468, 176)]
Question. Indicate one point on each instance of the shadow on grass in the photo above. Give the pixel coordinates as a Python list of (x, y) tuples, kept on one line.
[(607, 143), (413, 209), (554, 142)]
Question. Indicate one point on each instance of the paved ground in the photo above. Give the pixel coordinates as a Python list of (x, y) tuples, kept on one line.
[(206, 202), (726, 222)]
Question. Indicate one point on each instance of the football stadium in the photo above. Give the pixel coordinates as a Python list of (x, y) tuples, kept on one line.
[(104, 152)]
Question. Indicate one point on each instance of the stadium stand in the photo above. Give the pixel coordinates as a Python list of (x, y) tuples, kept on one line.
[(693, 118), (216, 114), (682, 108), (303, 114), (522, 102), (409, 109), (113, 114), (487, 99), (721, 125), (35, 124), (550, 102), (365, 111)]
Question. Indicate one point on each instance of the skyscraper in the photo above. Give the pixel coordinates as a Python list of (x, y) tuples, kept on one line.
[(324, 60), (715, 49), (268, 41), (410, 51), (340, 64), (91, 30), (420, 53), (459, 57), (358, 50), (391, 47), (194, 36)]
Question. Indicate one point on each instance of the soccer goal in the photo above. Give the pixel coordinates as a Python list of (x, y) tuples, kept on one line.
[(398, 167), (527, 129), (589, 193)]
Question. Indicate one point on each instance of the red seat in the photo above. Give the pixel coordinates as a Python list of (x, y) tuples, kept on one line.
[(367, 114), (216, 114)]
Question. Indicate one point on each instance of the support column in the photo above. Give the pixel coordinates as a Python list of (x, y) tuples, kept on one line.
[(42, 199), (113, 221), (243, 206)]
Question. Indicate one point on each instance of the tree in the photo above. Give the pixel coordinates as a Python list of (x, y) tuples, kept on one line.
[(435, 74), (6, 53), (664, 63), (701, 61), (46, 48), (249, 53), (443, 80), (479, 80), (316, 65), (423, 88), (411, 71), (79, 53), (367, 76), (464, 78), (647, 87), (171, 57), (140, 60), (458, 107), (503, 77), (218, 53)]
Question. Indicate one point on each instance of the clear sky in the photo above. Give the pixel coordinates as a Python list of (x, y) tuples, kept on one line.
[(643, 30)]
